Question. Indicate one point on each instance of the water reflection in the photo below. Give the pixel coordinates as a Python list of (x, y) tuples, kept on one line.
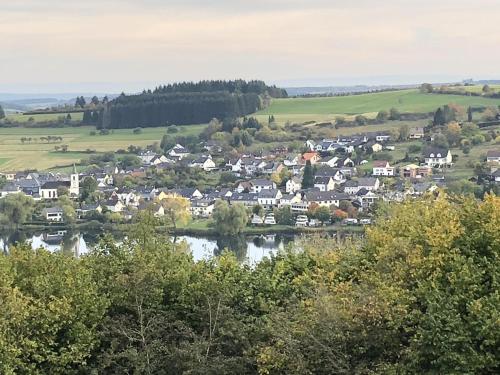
[(247, 249)]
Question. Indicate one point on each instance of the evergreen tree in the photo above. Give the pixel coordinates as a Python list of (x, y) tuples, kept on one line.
[(439, 117), (308, 178), (2, 113), (469, 114), (95, 117), (87, 117)]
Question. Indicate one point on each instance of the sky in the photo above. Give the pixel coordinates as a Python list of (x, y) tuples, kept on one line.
[(126, 45)]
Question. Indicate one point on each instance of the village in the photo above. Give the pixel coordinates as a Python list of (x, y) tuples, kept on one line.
[(326, 182)]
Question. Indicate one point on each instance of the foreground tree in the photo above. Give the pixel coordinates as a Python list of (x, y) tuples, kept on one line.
[(412, 298)]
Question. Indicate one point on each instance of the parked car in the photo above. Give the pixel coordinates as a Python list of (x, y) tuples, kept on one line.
[(257, 220), (314, 223), (365, 221), (350, 221), (269, 220)]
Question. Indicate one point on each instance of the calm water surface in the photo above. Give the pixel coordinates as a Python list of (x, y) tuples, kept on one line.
[(247, 249)]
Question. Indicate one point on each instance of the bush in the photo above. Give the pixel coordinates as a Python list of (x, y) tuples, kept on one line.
[(104, 132), (137, 131), (93, 132), (414, 149), (382, 156), (172, 129)]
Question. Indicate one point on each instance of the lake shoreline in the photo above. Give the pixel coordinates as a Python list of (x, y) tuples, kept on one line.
[(185, 231)]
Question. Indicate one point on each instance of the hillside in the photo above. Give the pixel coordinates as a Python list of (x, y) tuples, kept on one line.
[(403, 100)]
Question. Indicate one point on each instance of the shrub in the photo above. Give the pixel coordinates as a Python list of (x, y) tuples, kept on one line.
[(414, 149)]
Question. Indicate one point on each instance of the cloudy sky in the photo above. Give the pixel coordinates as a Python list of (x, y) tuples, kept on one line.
[(115, 45)]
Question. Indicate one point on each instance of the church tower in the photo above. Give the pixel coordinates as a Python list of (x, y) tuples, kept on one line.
[(74, 189)]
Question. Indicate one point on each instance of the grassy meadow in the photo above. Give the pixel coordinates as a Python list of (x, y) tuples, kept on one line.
[(14, 155), (326, 108)]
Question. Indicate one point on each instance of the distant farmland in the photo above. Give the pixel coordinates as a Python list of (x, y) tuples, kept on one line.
[(19, 117), (404, 101), (14, 155)]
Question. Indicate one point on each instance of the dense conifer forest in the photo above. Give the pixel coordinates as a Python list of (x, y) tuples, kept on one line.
[(188, 103)]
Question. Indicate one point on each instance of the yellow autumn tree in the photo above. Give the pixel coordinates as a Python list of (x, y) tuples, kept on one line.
[(176, 210)]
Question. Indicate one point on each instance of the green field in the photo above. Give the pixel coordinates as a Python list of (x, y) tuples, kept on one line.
[(15, 155), (19, 117), (322, 109)]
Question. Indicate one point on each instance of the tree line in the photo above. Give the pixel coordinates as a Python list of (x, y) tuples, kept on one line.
[(398, 302), (187, 103), (236, 86)]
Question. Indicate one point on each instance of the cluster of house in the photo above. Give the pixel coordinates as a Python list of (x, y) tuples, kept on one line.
[(335, 179)]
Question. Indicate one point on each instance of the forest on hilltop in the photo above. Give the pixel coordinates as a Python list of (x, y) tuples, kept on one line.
[(188, 103)]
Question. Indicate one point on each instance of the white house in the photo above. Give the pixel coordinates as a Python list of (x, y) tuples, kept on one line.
[(416, 133), (437, 157), (204, 162), (330, 161), (382, 168), (367, 198), (293, 185), (352, 187), (493, 156), (146, 157), (159, 159), (49, 190), (324, 198), (377, 147), (324, 183), (114, 205), (53, 214), (269, 198), (178, 151), (257, 185), (202, 207)]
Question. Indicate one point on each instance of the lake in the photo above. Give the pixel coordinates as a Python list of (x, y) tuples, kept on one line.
[(250, 249)]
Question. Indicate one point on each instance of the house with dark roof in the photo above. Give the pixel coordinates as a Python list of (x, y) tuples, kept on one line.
[(247, 199), (436, 157), (269, 198), (259, 184), (416, 133), (324, 198), (53, 214), (204, 162), (49, 190), (369, 183), (178, 151), (324, 183), (493, 156)]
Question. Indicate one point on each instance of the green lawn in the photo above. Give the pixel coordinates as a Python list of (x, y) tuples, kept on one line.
[(14, 155), (403, 100)]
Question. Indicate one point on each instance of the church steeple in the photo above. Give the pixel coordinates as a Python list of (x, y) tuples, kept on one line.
[(74, 189)]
